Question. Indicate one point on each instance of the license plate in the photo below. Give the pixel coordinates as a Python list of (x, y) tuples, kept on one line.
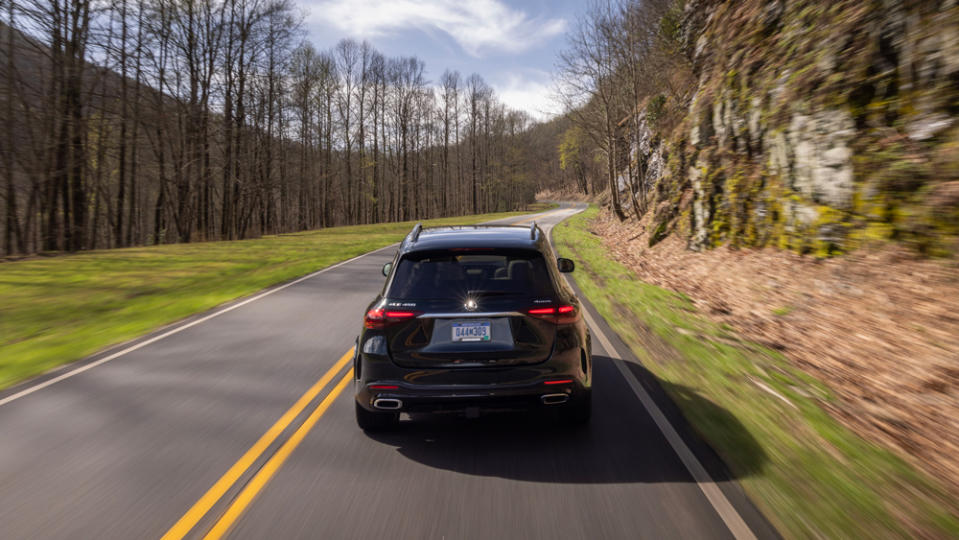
[(471, 331)]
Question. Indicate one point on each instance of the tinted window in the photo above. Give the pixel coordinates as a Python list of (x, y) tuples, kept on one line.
[(456, 275)]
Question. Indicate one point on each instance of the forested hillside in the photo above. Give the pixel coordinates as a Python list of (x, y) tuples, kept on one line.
[(158, 121)]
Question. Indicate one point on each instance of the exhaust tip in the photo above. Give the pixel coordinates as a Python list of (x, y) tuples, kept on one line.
[(554, 399), (388, 404)]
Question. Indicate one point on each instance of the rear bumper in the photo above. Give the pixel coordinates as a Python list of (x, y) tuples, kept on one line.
[(488, 399), (462, 389), (500, 387)]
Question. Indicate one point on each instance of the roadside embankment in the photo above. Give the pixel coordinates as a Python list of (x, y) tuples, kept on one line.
[(820, 478), (811, 126)]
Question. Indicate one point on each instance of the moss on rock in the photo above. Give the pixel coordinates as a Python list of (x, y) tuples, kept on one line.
[(829, 133)]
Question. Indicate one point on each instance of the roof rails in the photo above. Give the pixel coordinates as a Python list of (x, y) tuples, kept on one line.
[(415, 234), (532, 231)]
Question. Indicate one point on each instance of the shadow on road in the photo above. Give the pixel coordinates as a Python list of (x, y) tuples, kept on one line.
[(621, 444)]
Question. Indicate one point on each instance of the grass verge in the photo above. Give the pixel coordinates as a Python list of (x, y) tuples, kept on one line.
[(809, 475), (60, 309)]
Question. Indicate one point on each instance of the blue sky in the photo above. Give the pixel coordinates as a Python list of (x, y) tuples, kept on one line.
[(512, 44)]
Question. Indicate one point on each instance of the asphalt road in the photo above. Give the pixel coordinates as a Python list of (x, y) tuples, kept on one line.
[(217, 425)]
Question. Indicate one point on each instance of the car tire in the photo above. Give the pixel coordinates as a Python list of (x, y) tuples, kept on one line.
[(581, 410), (375, 421)]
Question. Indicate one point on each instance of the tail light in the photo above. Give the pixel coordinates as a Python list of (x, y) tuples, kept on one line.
[(381, 318), (558, 315), (543, 313)]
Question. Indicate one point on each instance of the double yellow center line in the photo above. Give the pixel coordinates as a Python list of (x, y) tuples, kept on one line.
[(193, 516), (256, 484)]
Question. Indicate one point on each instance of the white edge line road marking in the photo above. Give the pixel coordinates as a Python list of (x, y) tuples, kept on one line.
[(118, 354), (40, 386), (734, 522)]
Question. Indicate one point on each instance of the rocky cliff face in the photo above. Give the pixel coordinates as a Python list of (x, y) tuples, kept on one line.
[(814, 126)]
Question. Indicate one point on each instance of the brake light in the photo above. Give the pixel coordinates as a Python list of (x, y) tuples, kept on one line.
[(384, 387), (567, 315), (560, 315), (381, 318), (559, 381), (375, 318)]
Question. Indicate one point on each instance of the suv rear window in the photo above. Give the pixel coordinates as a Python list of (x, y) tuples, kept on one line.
[(433, 275)]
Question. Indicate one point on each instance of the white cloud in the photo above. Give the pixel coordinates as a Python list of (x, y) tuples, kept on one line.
[(537, 97), (477, 25)]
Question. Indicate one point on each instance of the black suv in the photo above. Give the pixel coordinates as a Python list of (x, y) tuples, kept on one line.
[(473, 319)]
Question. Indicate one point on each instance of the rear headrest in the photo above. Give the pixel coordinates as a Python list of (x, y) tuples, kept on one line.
[(520, 271)]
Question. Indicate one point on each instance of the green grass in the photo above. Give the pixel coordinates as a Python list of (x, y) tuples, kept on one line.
[(810, 476), (59, 309)]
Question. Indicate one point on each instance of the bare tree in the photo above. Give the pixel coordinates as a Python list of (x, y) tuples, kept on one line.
[(377, 105), (450, 81), (13, 241), (476, 94), (590, 86), (347, 53)]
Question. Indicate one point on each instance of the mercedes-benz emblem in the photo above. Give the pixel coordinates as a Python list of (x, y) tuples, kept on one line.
[(470, 305)]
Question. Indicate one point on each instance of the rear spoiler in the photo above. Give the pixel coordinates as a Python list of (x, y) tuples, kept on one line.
[(414, 234)]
